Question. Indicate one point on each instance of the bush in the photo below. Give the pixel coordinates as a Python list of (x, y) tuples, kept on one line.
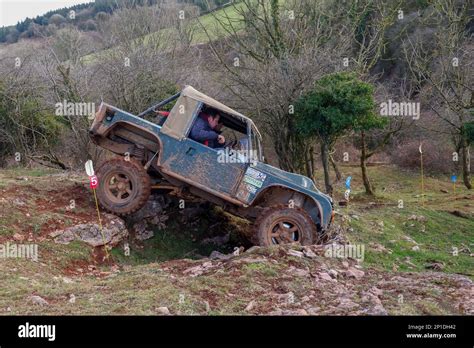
[(437, 156)]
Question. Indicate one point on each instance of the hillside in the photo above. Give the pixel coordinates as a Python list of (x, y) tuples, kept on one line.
[(408, 266)]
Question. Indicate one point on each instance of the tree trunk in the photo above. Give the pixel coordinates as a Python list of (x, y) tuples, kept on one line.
[(325, 160), (363, 157), (335, 167), (466, 165)]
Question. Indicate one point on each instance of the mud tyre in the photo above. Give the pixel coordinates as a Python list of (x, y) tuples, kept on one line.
[(124, 186), (282, 225)]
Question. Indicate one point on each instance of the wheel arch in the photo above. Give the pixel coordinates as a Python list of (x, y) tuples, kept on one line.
[(281, 194)]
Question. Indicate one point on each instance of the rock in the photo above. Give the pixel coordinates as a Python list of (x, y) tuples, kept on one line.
[(325, 276), (354, 216), (250, 306), (347, 304), (300, 311), (163, 310), (444, 191), (345, 264), (314, 310), (299, 272), (333, 273), (419, 218), (380, 224), (376, 291), (295, 253), (207, 306), (377, 310), (141, 232), (67, 280), (114, 231), (253, 249), (436, 266), (309, 253), (379, 248), (415, 248), (217, 255), (39, 300), (18, 237), (354, 273), (18, 202), (199, 269)]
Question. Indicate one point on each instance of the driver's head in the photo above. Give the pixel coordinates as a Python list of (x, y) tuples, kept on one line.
[(213, 120)]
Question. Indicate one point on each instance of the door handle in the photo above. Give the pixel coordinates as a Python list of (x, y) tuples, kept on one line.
[(191, 151)]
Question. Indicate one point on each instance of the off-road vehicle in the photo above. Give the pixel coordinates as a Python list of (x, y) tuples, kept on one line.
[(157, 153)]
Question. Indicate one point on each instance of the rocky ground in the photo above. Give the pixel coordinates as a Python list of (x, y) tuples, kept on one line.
[(196, 260)]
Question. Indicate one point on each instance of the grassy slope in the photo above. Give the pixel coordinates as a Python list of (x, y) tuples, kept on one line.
[(436, 237), (144, 281)]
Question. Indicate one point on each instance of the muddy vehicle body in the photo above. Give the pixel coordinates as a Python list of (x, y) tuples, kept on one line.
[(158, 154)]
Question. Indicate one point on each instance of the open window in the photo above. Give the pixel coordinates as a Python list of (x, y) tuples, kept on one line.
[(235, 131)]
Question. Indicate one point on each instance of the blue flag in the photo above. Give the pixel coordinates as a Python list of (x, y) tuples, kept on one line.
[(348, 182)]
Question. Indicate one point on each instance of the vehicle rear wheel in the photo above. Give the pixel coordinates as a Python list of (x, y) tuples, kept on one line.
[(124, 186), (281, 225)]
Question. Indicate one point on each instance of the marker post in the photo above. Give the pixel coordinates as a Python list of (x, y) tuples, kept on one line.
[(422, 179), (93, 183), (453, 180)]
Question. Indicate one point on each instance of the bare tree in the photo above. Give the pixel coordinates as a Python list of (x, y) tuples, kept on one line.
[(269, 54), (443, 68)]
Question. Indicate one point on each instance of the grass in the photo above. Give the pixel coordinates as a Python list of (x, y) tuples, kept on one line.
[(142, 284), (437, 236)]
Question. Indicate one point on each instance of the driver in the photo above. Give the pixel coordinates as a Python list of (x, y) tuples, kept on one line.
[(207, 128)]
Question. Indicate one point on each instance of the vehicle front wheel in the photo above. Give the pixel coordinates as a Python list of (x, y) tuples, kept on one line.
[(124, 186), (281, 225)]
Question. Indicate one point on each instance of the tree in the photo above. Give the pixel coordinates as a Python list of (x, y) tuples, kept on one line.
[(442, 67), (338, 103), (269, 53)]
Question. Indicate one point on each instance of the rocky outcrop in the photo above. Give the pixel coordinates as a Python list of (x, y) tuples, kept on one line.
[(113, 232)]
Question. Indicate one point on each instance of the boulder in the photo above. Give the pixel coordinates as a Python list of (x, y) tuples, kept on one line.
[(113, 231)]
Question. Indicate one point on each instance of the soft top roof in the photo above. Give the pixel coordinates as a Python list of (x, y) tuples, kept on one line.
[(190, 92)]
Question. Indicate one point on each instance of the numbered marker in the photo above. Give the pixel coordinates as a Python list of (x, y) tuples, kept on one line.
[(93, 181)]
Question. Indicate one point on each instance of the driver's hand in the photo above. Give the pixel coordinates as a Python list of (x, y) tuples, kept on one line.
[(220, 139)]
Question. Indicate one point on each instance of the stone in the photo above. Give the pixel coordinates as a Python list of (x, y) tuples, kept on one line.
[(39, 300), (325, 276), (436, 266), (163, 310), (18, 237), (217, 255), (141, 231), (295, 253), (309, 253), (415, 248), (354, 273), (347, 304), (90, 233), (333, 273), (250, 306)]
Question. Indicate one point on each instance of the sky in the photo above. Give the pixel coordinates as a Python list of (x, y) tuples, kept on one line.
[(12, 11)]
